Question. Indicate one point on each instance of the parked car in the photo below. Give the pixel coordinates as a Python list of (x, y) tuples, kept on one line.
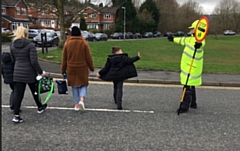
[(179, 33), (117, 35), (5, 30), (148, 35), (52, 39), (88, 35), (138, 35), (58, 33), (229, 32), (33, 32), (156, 34), (189, 33), (101, 37), (168, 33), (130, 35)]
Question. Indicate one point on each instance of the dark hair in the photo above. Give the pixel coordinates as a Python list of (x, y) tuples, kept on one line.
[(115, 49), (76, 31)]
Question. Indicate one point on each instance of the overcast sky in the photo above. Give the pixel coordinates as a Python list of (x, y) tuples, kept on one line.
[(208, 5)]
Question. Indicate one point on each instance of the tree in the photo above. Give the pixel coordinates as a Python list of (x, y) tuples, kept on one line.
[(149, 7), (64, 19), (226, 15), (188, 13), (83, 25), (117, 2), (130, 17), (169, 15)]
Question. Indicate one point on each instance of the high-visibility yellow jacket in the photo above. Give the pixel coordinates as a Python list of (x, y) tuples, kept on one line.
[(195, 77)]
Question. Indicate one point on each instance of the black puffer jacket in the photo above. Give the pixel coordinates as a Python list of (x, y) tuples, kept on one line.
[(119, 67), (7, 68), (24, 55)]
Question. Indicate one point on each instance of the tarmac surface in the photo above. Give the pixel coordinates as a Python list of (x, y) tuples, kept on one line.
[(154, 77), (148, 121)]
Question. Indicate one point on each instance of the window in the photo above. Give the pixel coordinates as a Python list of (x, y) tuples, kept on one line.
[(3, 10), (53, 12), (46, 23), (92, 15), (93, 26), (44, 12), (106, 26), (14, 26), (25, 25), (18, 11), (85, 15), (107, 16), (24, 12)]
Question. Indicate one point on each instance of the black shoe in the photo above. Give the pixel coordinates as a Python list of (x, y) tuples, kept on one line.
[(17, 119), (182, 110), (194, 105), (119, 108), (42, 108)]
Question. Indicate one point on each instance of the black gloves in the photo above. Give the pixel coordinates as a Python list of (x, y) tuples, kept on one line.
[(197, 45), (170, 38)]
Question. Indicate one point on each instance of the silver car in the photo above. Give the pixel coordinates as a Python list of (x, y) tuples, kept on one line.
[(229, 32)]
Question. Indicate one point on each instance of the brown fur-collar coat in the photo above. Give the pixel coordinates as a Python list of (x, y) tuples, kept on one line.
[(76, 60)]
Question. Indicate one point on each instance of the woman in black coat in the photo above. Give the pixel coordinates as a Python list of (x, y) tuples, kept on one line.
[(26, 68), (118, 68)]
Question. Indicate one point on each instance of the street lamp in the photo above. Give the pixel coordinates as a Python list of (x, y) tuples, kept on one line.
[(124, 23)]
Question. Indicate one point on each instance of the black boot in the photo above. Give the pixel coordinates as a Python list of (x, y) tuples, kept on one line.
[(194, 103), (186, 101), (119, 107)]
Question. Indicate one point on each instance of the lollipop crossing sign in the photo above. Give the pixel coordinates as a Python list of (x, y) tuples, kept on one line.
[(202, 29)]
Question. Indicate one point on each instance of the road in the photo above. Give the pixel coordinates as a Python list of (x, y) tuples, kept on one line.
[(149, 121)]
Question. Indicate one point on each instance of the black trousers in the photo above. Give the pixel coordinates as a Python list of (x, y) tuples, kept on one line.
[(19, 90), (118, 92), (11, 96), (189, 97)]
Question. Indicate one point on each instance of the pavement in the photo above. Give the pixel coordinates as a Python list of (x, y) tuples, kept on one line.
[(154, 77)]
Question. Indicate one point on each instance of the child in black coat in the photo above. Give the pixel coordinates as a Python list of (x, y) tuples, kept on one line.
[(7, 72), (118, 68)]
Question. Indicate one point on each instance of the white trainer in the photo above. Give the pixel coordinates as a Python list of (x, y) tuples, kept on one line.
[(81, 106), (76, 108)]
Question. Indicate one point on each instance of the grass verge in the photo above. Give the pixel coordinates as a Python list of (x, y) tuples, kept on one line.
[(221, 55)]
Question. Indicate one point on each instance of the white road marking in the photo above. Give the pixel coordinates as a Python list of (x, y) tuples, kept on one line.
[(87, 109)]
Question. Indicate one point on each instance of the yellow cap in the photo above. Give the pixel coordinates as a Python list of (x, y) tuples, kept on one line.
[(194, 24)]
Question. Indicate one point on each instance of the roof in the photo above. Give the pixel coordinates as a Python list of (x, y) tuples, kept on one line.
[(10, 2), (102, 9), (11, 19), (109, 10), (13, 2)]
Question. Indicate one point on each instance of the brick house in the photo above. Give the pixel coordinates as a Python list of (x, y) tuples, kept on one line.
[(44, 16), (14, 14), (99, 18)]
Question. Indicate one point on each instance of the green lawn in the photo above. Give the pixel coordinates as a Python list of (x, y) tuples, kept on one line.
[(221, 55)]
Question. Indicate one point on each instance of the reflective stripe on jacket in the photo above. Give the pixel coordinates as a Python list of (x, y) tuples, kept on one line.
[(195, 77)]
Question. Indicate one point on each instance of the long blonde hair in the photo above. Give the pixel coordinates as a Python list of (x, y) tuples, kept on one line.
[(20, 33)]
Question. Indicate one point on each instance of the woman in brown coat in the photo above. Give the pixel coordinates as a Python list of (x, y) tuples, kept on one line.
[(76, 62)]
